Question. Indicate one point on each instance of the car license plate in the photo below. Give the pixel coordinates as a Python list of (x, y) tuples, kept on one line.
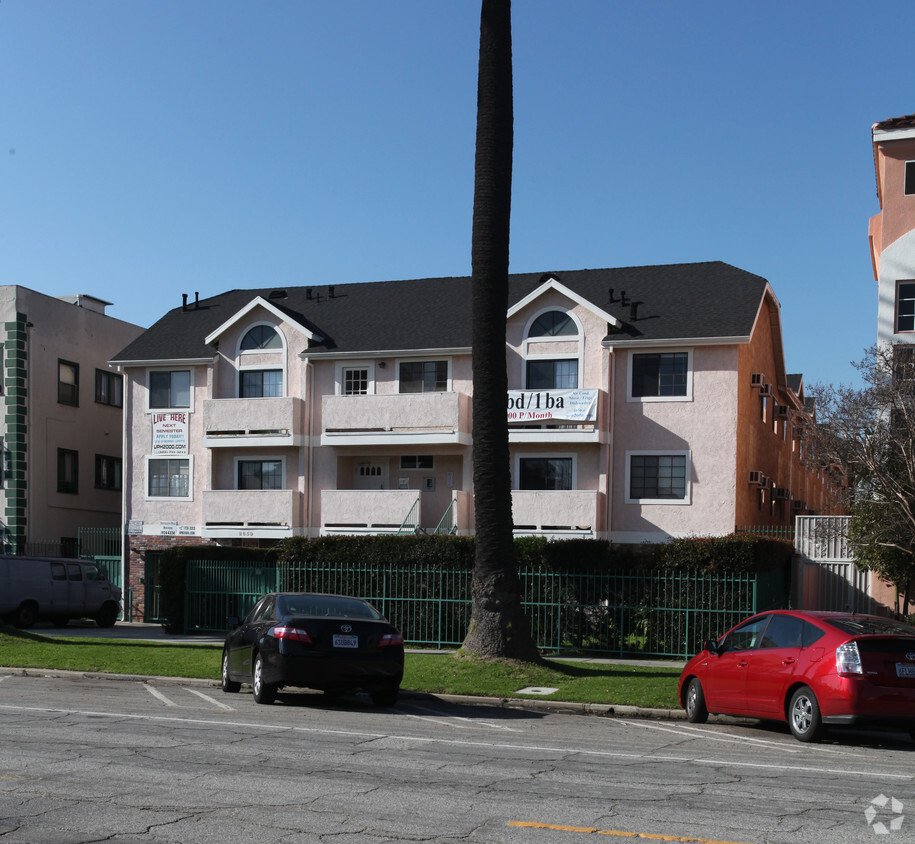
[(345, 641), (903, 669)]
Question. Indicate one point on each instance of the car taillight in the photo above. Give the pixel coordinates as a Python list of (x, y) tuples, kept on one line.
[(848, 659), (292, 634), (390, 639)]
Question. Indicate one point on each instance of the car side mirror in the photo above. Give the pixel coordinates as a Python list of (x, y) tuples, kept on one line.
[(711, 646), (232, 622)]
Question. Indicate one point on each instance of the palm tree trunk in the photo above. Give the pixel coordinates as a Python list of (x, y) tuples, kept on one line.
[(498, 626)]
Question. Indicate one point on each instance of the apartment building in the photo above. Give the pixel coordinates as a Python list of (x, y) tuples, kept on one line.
[(61, 428), (643, 403)]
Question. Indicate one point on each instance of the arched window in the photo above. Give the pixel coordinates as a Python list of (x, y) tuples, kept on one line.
[(261, 337), (553, 324)]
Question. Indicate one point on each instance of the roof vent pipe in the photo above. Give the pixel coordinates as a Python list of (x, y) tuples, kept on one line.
[(633, 311), (184, 301), (196, 298), (330, 292)]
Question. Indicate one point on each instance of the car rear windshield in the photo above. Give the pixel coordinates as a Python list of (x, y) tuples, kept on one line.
[(326, 606), (861, 625)]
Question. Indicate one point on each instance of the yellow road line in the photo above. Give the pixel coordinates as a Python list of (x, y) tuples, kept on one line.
[(618, 833)]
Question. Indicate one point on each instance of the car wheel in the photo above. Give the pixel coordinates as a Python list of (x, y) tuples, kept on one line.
[(696, 711), (107, 616), (26, 615), (228, 684), (263, 692), (804, 715), (385, 696)]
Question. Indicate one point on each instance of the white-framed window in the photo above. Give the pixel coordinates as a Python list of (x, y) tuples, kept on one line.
[(355, 379), (905, 306), (660, 376), (169, 389), (261, 362), (552, 351), (260, 473), (170, 477), (657, 477), (423, 376), (541, 471)]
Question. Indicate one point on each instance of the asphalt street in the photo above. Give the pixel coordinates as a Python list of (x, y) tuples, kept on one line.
[(87, 759)]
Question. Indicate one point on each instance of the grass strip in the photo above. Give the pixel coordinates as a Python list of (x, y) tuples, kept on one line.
[(577, 682)]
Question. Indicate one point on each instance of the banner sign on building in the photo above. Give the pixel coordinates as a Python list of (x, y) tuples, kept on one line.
[(169, 433), (547, 405)]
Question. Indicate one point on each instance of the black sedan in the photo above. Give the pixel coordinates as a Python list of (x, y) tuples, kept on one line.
[(333, 643)]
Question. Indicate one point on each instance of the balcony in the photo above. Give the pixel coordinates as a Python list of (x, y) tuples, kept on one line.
[(410, 419), (558, 513), (373, 511), (557, 416), (240, 423), (263, 513)]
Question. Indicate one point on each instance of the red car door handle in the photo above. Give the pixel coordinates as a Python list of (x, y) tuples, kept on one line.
[(789, 660), (742, 664)]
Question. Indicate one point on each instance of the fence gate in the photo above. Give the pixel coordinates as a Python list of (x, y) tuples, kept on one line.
[(824, 575)]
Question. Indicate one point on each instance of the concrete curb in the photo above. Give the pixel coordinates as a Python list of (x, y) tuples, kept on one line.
[(607, 710)]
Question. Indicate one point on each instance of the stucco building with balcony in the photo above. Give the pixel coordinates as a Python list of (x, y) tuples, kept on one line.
[(643, 403)]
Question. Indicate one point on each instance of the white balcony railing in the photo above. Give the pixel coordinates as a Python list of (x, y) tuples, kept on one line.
[(549, 512), (252, 508)]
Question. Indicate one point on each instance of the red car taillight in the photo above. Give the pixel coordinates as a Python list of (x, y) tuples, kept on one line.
[(291, 634), (390, 639), (848, 659)]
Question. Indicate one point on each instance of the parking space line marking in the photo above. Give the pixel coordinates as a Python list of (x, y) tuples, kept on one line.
[(696, 732), (157, 694), (618, 833), (212, 700), (450, 719), (491, 745)]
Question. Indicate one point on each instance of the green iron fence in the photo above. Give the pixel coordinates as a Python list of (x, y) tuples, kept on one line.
[(649, 613)]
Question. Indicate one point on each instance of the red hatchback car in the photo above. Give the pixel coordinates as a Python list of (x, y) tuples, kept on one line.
[(811, 669)]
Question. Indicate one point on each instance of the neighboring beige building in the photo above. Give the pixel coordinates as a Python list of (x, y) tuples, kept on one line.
[(62, 423)]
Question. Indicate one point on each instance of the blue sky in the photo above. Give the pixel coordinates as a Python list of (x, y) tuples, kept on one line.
[(150, 149)]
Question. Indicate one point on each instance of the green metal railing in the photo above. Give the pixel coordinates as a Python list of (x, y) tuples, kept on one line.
[(411, 522), (446, 526), (650, 613)]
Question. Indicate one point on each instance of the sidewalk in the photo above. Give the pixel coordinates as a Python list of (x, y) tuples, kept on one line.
[(149, 632)]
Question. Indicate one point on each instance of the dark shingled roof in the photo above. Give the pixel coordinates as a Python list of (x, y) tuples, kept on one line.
[(675, 301)]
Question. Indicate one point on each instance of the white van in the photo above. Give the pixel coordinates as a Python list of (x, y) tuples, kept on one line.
[(57, 589)]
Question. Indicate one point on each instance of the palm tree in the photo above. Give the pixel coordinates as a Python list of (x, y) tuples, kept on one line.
[(498, 626)]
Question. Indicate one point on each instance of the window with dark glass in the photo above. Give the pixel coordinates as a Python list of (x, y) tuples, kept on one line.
[(553, 324), (657, 476), (559, 374), (68, 382), (416, 461), (553, 473), (67, 471), (169, 478), (429, 376), (109, 388), (659, 374), (261, 337), (909, 178), (261, 383), (170, 389), (107, 472), (905, 306), (260, 474)]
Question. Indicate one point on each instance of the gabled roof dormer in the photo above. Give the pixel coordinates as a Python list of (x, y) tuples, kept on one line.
[(261, 302), (551, 283)]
